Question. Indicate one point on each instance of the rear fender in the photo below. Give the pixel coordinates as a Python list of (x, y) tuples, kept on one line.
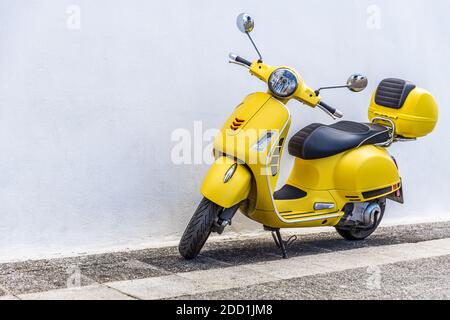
[(227, 193)]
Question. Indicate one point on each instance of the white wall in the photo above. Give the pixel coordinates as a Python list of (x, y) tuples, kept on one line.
[(86, 115)]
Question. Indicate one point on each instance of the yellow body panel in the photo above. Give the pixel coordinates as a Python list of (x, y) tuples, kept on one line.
[(230, 193), (358, 170), (274, 220), (365, 169), (417, 117), (302, 213), (261, 113), (346, 177)]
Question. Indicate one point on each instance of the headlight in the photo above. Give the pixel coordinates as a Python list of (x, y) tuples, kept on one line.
[(283, 83)]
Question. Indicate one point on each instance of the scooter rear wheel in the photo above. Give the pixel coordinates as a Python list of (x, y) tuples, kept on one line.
[(198, 229), (358, 234)]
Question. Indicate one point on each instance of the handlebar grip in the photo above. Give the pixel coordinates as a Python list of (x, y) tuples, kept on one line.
[(243, 61), (333, 111), (236, 58)]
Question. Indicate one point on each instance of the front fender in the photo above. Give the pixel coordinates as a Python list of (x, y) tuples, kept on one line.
[(231, 193)]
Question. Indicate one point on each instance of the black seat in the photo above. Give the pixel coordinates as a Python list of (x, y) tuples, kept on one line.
[(318, 141)]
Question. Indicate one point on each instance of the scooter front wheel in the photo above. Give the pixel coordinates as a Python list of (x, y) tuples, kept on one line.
[(198, 229)]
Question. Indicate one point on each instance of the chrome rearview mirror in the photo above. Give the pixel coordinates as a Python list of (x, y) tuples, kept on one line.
[(245, 23), (357, 82)]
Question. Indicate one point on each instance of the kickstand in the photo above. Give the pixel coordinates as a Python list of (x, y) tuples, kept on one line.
[(282, 244)]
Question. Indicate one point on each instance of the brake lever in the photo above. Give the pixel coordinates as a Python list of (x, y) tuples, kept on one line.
[(238, 63), (232, 59)]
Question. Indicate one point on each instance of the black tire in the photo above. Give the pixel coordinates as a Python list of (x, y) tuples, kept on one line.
[(358, 234), (198, 229)]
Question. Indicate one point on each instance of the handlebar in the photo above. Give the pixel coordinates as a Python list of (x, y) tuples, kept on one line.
[(234, 58), (335, 113)]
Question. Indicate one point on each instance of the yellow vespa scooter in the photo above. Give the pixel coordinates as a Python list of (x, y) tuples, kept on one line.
[(342, 174)]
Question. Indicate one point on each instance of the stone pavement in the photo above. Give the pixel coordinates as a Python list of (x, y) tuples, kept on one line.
[(397, 262)]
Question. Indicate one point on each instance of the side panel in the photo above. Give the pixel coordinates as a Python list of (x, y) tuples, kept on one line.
[(365, 169), (358, 175), (226, 194)]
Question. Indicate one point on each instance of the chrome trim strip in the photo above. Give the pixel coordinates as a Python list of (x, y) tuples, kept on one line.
[(323, 206), (329, 216), (275, 144), (307, 215)]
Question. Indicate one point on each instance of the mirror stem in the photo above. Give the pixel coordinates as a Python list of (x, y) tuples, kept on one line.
[(254, 45), (317, 92)]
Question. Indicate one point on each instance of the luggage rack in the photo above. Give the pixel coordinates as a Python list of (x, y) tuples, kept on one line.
[(392, 137)]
